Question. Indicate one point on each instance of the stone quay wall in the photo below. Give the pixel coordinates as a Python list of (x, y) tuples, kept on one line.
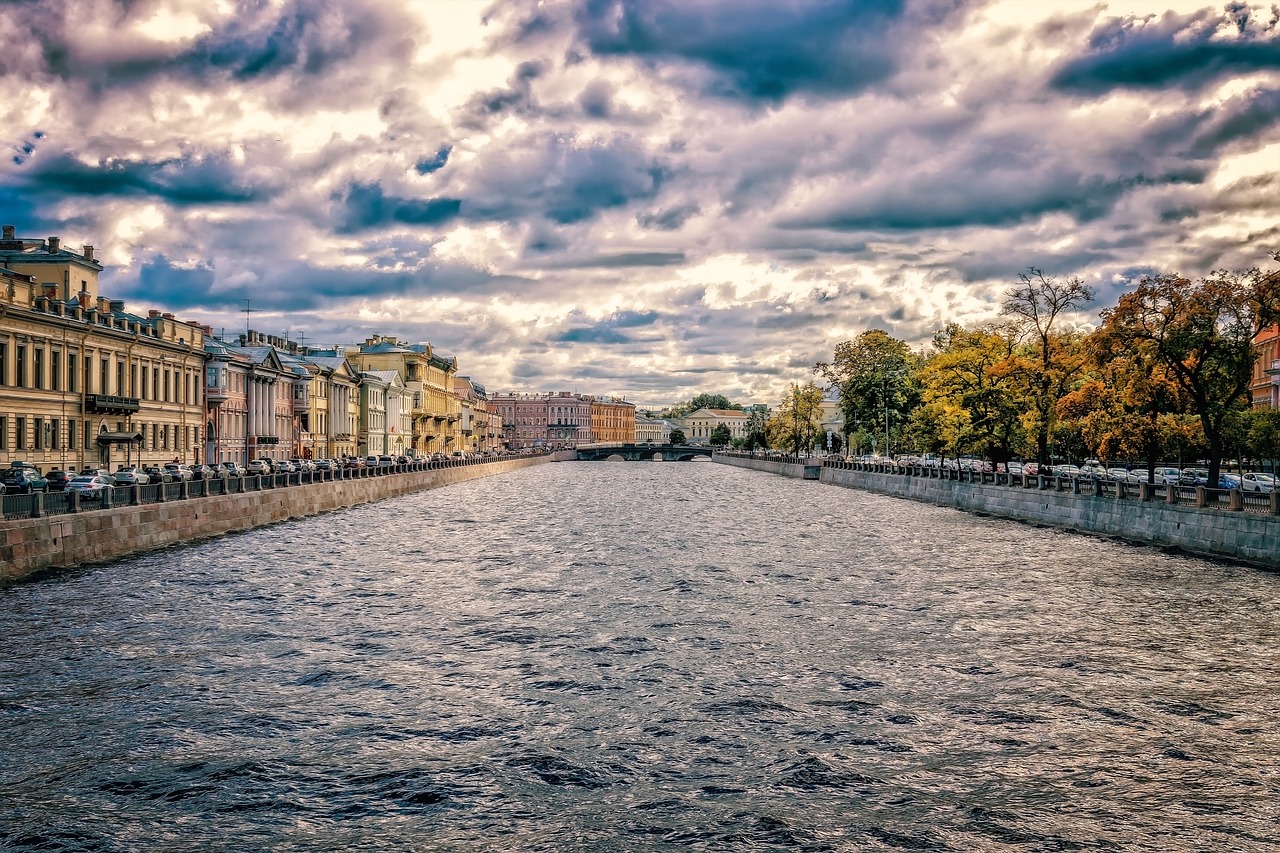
[(800, 469), (95, 536), (1252, 538)]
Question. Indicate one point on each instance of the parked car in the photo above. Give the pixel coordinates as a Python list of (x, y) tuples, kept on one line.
[(302, 463), (354, 462), (235, 469), (94, 472), (324, 465), (130, 475), (23, 481), (1228, 481), (1254, 481), (209, 472), (1066, 470), (58, 480), (284, 466), (385, 462), (259, 466), (1194, 477), (178, 472), (1015, 469), (1168, 476), (157, 475), (91, 488), (403, 460)]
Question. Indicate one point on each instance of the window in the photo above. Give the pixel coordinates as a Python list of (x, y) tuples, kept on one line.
[(104, 376), (21, 438), (20, 378), (155, 383), (73, 373), (38, 432), (88, 376), (4, 364), (55, 370), (38, 379), (71, 434), (133, 380), (4, 433), (121, 388)]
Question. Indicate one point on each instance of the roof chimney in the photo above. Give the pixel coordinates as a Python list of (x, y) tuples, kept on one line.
[(54, 246), (6, 233), (88, 252)]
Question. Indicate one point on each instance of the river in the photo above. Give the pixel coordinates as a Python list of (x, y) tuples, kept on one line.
[(636, 657)]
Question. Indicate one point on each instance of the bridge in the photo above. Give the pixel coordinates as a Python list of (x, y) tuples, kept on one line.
[(642, 452)]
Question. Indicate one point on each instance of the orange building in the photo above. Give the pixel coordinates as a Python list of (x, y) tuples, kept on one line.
[(1264, 390)]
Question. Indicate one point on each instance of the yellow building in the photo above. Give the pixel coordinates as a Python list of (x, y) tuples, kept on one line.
[(613, 421), (437, 411), (83, 382)]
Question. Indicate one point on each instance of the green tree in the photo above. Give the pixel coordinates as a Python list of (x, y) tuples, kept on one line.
[(797, 423), (1264, 435), (1036, 303), (1202, 334), (875, 376), (720, 435), (676, 437)]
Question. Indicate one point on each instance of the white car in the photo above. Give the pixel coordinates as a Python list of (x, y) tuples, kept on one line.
[(1254, 481)]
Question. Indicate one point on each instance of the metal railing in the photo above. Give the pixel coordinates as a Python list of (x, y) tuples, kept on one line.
[(1198, 497), (40, 504)]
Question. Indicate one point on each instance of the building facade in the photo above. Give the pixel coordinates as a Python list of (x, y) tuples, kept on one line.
[(429, 378), (699, 425), (613, 421), (1264, 390), (83, 382)]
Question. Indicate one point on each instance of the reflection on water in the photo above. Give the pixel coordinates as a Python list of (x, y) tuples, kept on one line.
[(642, 656)]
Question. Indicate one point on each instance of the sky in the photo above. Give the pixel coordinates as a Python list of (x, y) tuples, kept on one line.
[(643, 198)]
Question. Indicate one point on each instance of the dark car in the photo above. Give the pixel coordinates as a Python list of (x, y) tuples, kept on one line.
[(23, 481), (58, 480), (158, 475)]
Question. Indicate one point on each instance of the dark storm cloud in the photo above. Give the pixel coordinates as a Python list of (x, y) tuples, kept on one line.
[(554, 177), (591, 335), (621, 260), (434, 163), (290, 286), (1187, 52), (304, 37), (754, 50), (993, 199), (366, 206), (187, 180), (669, 219)]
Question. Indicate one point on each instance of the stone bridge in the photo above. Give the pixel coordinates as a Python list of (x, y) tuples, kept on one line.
[(642, 452)]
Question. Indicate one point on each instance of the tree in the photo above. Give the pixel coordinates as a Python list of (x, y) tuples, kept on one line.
[(720, 435), (1036, 303), (798, 421), (676, 437), (874, 374), (702, 401), (969, 383), (1202, 334), (1264, 435)]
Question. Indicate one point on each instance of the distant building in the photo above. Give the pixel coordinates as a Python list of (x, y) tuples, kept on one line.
[(699, 425), (1264, 390), (562, 419), (652, 430)]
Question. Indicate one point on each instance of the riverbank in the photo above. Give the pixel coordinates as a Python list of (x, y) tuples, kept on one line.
[(1251, 538), (59, 541)]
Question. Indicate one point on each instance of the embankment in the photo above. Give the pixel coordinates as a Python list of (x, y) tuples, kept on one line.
[(1248, 537), (55, 541)]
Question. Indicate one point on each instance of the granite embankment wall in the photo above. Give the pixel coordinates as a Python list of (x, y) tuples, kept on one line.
[(55, 541), (786, 468), (1248, 537)]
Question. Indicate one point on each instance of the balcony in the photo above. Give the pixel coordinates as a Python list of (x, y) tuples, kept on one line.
[(105, 404), (1274, 372), (215, 394), (301, 405)]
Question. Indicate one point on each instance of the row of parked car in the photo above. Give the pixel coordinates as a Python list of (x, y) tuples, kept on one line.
[(25, 478), (1249, 481)]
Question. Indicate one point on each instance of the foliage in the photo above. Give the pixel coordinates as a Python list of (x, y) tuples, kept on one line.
[(1048, 369), (797, 423), (702, 401), (875, 376), (1201, 333), (720, 435), (676, 436)]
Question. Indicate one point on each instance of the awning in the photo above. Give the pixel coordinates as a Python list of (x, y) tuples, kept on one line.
[(119, 438)]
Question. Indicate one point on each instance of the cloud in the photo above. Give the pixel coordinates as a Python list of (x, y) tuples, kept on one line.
[(752, 50), (366, 206), (434, 163), (1188, 52), (191, 179)]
